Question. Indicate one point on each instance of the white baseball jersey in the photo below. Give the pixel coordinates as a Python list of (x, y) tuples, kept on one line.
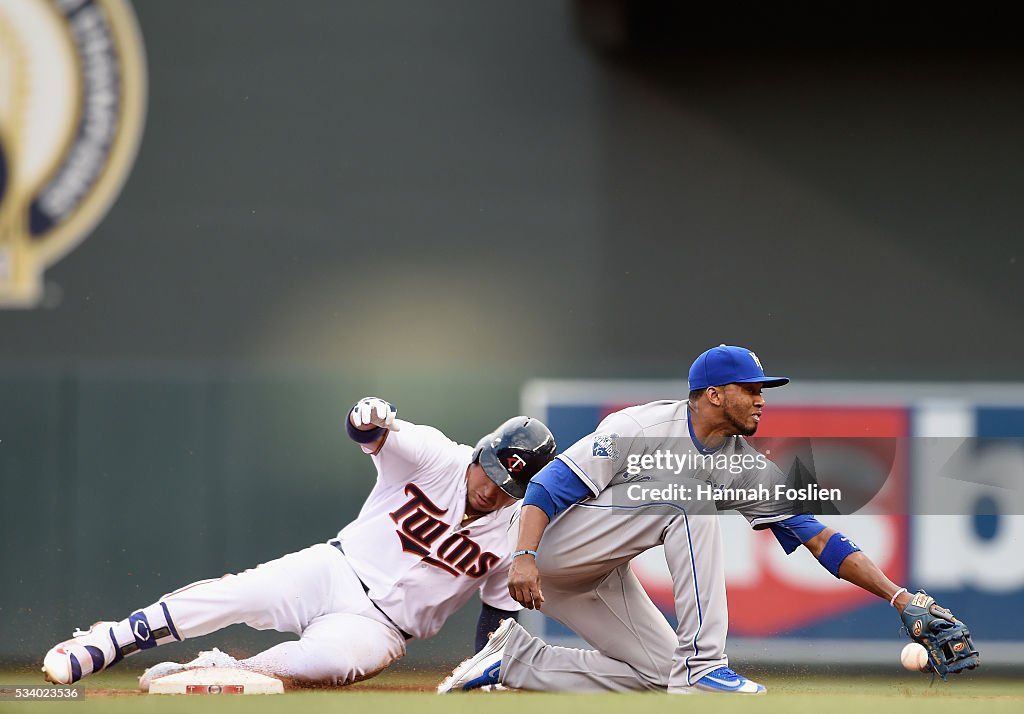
[(408, 544)]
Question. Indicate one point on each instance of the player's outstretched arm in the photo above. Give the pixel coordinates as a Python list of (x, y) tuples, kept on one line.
[(369, 422), (855, 567), (523, 576), (947, 640)]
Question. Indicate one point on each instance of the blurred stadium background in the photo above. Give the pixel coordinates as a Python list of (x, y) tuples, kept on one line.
[(440, 202)]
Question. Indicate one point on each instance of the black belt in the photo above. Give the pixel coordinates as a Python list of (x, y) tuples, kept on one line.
[(366, 589)]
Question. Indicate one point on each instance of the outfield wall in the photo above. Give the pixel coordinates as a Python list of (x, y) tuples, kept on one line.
[(961, 542)]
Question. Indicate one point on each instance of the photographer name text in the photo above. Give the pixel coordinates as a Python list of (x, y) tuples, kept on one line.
[(710, 492)]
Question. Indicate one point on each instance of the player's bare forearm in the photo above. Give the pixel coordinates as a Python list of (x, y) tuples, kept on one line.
[(523, 576), (859, 569), (532, 522)]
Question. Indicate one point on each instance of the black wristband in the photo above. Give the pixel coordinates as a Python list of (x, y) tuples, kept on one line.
[(358, 435)]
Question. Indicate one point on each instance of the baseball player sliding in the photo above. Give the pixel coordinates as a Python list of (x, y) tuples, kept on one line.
[(433, 531), (582, 522)]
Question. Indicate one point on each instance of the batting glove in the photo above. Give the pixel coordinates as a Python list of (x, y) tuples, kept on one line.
[(373, 411)]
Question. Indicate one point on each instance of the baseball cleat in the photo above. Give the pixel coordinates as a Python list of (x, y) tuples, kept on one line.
[(87, 652), (724, 680), (482, 669), (212, 658)]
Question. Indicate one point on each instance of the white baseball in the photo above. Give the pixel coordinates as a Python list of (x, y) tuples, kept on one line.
[(914, 658)]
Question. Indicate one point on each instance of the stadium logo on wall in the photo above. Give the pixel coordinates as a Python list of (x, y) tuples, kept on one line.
[(72, 104)]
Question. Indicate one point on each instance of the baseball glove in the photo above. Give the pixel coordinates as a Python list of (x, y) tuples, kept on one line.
[(948, 641)]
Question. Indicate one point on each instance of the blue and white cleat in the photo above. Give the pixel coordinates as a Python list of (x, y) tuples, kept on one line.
[(724, 681), (482, 669)]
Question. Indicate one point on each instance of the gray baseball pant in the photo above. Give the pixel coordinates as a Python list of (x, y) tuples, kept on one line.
[(588, 587)]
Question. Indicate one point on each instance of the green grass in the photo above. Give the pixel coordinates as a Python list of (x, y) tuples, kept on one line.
[(404, 690)]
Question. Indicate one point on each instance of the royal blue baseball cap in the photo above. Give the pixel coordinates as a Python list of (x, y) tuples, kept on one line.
[(727, 364)]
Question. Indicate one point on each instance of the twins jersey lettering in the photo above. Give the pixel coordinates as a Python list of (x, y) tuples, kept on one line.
[(421, 529), (408, 544)]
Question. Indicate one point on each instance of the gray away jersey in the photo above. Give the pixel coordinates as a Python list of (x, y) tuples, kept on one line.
[(644, 455)]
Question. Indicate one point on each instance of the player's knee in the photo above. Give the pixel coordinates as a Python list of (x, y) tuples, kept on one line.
[(343, 660), (339, 668)]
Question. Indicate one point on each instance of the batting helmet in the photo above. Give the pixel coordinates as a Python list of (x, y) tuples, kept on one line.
[(515, 452)]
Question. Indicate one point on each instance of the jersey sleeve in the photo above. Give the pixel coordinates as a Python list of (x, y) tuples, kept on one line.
[(762, 508), (413, 447), (555, 488), (597, 458)]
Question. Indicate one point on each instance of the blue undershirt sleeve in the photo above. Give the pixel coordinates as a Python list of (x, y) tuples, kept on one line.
[(555, 488), (795, 530)]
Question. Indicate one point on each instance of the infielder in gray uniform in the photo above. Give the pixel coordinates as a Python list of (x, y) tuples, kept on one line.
[(652, 475)]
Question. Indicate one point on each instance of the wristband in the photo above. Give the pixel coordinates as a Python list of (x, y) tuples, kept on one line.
[(525, 552), (892, 601), (835, 552), (358, 435)]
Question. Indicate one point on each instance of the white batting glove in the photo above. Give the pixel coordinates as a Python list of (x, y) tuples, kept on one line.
[(373, 411)]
